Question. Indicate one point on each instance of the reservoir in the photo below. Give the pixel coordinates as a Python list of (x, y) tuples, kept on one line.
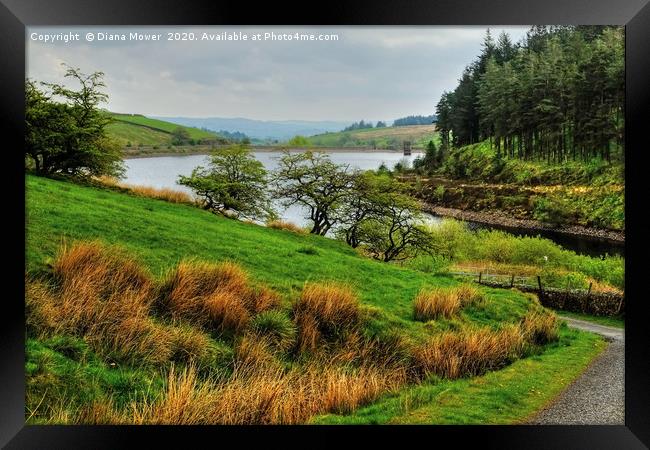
[(163, 172)]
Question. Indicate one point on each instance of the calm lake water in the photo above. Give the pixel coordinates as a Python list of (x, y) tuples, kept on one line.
[(163, 172)]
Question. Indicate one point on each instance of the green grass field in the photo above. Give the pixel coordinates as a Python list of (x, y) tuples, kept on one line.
[(138, 129), (160, 234), (388, 137)]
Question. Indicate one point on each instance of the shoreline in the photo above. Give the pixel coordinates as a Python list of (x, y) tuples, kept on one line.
[(264, 149), (500, 218)]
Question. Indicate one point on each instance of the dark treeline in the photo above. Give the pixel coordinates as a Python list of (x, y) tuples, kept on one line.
[(414, 120), (557, 95), (361, 125)]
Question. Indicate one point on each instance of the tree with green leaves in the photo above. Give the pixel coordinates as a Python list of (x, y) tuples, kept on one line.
[(234, 182), (65, 131), (379, 216), (393, 232), (180, 136), (313, 181)]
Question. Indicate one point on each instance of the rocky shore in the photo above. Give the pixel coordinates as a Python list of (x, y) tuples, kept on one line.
[(503, 219)]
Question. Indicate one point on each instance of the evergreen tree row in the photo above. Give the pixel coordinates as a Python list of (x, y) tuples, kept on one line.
[(557, 95)]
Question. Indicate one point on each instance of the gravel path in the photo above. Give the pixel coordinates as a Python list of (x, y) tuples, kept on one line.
[(598, 396)]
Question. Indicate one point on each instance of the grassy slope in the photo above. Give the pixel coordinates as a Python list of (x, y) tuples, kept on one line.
[(138, 129), (590, 193), (506, 396), (161, 234), (125, 132), (419, 135)]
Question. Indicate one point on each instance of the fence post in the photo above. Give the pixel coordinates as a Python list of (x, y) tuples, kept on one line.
[(539, 284), (589, 291), (512, 280), (479, 277)]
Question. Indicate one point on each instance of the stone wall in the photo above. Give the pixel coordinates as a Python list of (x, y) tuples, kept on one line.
[(580, 301)]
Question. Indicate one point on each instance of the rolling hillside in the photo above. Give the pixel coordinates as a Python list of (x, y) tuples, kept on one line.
[(140, 130), (68, 376), (388, 137)]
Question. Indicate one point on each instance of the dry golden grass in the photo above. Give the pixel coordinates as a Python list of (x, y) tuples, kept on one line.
[(266, 396), (540, 327), (261, 299), (285, 225), (468, 352), (41, 312), (469, 295), (434, 303), (325, 311), (104, 295), (226, 311), (166, 194), (218, 296)]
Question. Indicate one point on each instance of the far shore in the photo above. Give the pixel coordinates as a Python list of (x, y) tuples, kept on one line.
[(503, 219), (204, 150)]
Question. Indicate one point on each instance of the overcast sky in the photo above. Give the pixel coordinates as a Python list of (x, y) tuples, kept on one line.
[(371, 73)]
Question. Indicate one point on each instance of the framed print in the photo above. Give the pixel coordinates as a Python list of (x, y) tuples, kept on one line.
[(424, 217)]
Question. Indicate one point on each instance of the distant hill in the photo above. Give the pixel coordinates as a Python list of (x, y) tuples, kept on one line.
[(136, 129), (381, 138), (260, 129)]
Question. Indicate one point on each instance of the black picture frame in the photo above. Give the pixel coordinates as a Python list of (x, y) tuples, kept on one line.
[(15, 15)]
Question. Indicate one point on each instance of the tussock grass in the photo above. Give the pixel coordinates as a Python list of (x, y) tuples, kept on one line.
[(103, 295), (166, 194), (540, 327), (325, 311), (433, 303), (286, 225), (217, 296), (270, 396), (469, 295), (468, 352), (275, 326)]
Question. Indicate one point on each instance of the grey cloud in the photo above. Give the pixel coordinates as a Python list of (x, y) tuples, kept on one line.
[(374, 73)]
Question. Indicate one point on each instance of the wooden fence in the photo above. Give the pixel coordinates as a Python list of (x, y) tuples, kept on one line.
[(568, 298)]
